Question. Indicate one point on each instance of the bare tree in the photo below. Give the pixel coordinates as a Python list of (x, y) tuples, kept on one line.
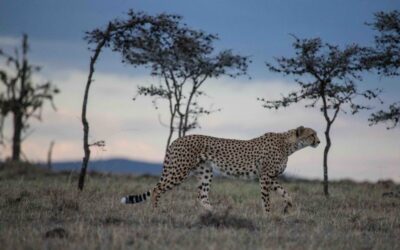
[(385, 59), (20, 96), (327, 77)]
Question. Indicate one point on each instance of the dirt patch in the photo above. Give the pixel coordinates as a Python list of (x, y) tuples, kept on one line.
[(57, 232), (225, 219)]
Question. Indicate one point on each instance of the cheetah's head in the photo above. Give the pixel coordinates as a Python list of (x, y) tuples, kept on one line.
[(306, 137)]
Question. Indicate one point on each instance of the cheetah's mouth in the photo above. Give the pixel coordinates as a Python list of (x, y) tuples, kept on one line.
[(315, 143)]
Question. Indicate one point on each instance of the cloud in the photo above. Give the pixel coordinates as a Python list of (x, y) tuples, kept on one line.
[(132, 129)]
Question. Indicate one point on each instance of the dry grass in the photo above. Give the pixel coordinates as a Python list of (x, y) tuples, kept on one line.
[(43, 210)]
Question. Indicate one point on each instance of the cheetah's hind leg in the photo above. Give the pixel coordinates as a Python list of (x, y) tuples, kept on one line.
[(204, 174), (170, 178)]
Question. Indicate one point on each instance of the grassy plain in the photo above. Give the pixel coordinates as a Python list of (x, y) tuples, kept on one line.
[(43, 210)]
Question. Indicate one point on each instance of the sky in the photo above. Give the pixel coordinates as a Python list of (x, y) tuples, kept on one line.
[(260, 29)]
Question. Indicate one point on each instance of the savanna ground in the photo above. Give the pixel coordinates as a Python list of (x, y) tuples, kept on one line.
[(44, 210)]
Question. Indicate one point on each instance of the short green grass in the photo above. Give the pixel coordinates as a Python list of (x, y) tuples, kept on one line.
[(43, 210)]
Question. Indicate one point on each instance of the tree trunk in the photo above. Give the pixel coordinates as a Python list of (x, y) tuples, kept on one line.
[(85, 123), (18, 113), (49, 154), (181, 129), (326, 151), (18, 126), (185, 124), (171, 130)]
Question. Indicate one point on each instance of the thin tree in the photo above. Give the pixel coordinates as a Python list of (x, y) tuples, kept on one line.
[(20, 95), (327, 77), (86, 146), (385, 59), (133, 26)]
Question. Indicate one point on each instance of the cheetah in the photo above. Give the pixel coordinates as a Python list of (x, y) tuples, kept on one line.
[(263, 157)]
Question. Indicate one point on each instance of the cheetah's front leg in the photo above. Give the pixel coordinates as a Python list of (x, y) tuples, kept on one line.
[(266, 186), (204, 175), (282, 192)]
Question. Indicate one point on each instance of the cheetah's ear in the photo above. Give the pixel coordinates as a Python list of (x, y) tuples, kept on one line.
[(299, 131)]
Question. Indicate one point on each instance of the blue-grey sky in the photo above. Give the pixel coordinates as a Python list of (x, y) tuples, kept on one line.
[(258, 28)]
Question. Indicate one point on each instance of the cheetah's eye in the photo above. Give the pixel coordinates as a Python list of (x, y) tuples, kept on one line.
[(311, 137)]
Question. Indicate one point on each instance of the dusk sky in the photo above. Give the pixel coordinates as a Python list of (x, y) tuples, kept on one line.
[(259, 29)]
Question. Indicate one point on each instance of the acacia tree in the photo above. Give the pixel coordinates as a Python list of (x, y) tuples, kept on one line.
[(327, 77), (20, 96), (385, 59), (183, 58), (133, 26)]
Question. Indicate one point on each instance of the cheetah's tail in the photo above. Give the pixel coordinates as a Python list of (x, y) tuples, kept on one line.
[(132, 199)]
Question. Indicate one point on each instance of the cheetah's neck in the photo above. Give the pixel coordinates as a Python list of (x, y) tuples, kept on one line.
[(292, 144)]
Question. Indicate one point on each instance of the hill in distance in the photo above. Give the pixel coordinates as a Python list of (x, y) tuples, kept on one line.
[(116, 166)]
